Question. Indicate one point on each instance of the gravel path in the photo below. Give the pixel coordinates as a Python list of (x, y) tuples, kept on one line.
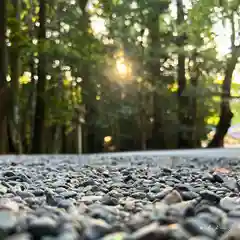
[(119, 198)]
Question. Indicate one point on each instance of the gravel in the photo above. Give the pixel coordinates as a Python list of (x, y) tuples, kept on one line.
[(119, 198)]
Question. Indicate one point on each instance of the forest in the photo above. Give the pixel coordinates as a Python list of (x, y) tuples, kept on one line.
[(89, 76)]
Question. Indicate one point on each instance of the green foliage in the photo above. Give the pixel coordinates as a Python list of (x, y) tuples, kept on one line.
[(143, 36)]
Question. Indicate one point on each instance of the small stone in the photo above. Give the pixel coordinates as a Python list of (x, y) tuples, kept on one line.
[(8, 174), (208, 176), (20, 236), (3, 189), (210, 196), (6, 204), (176, 231), (229, 203), (115, 236), (69, 194), (43, 226), (65, 203), (188, 195), (88, 182), (96, 229), (38, 192), (115, 193), (167, 170), (232, 234), (7, 223), (198, 227), (155, 189), (65, 235), (173, 197), (163, 193), (218, 177), (152, 231), (91, 198), (108, 200), (230, 183), (33, 201), (200, 238), (129, 205), (183, 187), (24, 194), (138, 195)]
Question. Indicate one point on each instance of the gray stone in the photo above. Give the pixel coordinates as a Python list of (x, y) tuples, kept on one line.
[(69, 194), (20, 236), (3, 189), (96, 229), (197, 227), (152, 231), (232, 234), (172, 197), (7, 223), (230, 203), (43, 226), (210, 196)]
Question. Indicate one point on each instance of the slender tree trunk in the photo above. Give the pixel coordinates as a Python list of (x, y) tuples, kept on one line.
[(91, 143), (183, 134), (27, 114), (157, 140), (225, 110), (13, 122), (3, 74), (64, 139), (195, 141), (39, 120)]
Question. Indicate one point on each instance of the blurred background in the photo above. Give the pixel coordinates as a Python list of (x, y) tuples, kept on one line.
[(88, 76)]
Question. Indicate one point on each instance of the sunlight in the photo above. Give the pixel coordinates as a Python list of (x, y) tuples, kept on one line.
[(98, 25), (222, 39), (222, 32), (236, 77), (123, 68), (107, 139)]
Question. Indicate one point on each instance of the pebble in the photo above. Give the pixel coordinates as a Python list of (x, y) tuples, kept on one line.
[(210, 196), (43, 226), (7, 223), (198, 227), (230, 203), (232, 234), (110, 198)]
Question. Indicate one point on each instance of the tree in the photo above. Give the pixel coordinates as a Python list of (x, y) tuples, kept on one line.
[(39, 121), (226, 114), (3, 75), (15, 53), (183, 135), (147, 78), (225, 110)]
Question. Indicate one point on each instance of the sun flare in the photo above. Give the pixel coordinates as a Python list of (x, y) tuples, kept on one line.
[(122, 68)]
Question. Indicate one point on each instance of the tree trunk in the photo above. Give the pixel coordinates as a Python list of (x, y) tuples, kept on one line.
[(225, 110), (183, 134), (90, 141), (39, 120), (157, 140), (195, 140), (13, 125), (3, 74), (64, 139), (27, 114)]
